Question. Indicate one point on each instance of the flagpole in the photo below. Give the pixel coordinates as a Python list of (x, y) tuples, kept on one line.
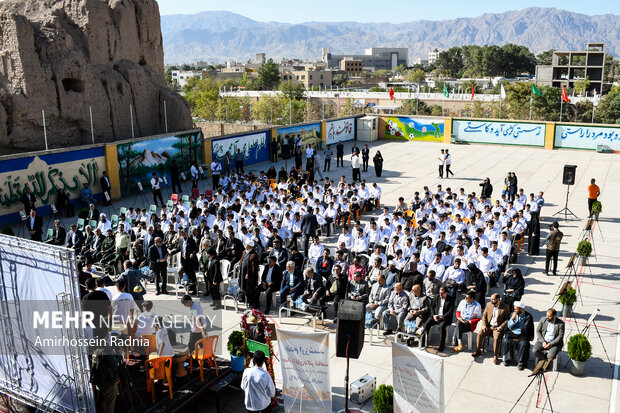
[(561, 108), (531, 98), (500, 107)]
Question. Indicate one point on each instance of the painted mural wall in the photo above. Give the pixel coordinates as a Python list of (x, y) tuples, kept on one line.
[(340, 130), (414, 129), (310, 135), (46, 173), (255, 147), (586, 137), (505, 133), (139, 159)]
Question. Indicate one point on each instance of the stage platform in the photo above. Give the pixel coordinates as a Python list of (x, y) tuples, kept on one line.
[(187, 391)]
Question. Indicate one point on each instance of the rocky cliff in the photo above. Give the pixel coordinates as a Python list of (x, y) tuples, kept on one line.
[(66, 56)]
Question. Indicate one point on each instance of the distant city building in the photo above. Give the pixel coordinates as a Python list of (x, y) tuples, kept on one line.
[(433, 56), (351, 66), (310, 77), (182, 76), (374, 58), (420, 61), (567, 67), (261, 58)]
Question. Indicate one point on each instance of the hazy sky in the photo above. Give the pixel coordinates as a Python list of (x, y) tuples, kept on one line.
[(394, 11)]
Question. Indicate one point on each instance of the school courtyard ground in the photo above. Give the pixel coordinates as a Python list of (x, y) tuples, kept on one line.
[(474, 384)]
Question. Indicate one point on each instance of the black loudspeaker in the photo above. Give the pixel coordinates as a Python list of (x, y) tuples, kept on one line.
[(350, 327), (568, 177)]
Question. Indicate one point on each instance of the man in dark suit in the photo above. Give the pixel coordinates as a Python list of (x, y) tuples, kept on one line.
[(213, 277), (314, 289), (442, 311), (35, 225), (188, 249), (517, 336), (93, 213), (292, 283), (339, 154), (158, 254), (28, 199), (60, 234), (309, 226), (270, 281), (106, 188), (75, 239), (93, 252)]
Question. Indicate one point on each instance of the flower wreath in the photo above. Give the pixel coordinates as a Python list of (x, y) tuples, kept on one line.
[(246, 332)]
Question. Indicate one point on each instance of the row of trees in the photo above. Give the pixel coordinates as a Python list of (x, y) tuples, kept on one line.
[(508, 60), (517, 106)]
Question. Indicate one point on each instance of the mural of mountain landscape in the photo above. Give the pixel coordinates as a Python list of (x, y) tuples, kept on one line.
[(138, 160), (221, 36)]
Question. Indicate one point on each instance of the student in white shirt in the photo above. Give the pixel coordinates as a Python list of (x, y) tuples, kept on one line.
[(162, 340), (257, 385), (123, 305)]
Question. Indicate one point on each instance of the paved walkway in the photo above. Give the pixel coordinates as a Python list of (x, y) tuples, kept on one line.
[(472, 383)]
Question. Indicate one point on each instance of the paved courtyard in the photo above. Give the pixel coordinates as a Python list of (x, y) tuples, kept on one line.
[(471, 383)]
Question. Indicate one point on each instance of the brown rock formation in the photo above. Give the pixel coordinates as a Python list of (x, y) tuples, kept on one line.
[(64, 56)]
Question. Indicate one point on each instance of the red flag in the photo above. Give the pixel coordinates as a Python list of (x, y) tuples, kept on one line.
[(391, 93), (473, 92), (564, 95)]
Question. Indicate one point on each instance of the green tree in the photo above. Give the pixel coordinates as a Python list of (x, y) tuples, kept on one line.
[(608, 109), (545, 57), (582, 85), (379, 73), (186, 67), (340, 79), (436, 110), (612, 69), (203, 96), (516, 60), (402, 68), (416, 76), (409, 108), (292, 90), (269, 74), (547, 106), (450, 62)]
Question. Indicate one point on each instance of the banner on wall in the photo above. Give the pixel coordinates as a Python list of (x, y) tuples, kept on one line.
[(254, 147), (305, 371), (415, 129), (586, 137), (418, 380), (45, 175), (310, 134), (339, 130), (507, 133), (138, 160)]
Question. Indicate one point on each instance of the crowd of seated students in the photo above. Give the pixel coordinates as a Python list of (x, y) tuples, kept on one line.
[(411, 263)]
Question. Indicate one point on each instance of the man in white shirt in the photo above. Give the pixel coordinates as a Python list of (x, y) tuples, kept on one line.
[(257, 385), (468, 313), (162, 340), (345, 237), (488, 266), (427, 255), (315, 251), (216, 171), (437, 267), (123, 305), (198, 322), (360, 246), (355, 166)]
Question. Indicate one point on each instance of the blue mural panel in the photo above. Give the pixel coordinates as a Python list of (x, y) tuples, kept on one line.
[(255, 147), (506, 133), (586, 137)]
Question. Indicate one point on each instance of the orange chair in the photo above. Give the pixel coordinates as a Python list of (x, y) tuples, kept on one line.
[(151, 347), (175, 198), (204, 350), (159, 368)]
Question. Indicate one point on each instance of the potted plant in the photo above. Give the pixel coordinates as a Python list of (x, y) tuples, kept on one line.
[(235, 348), (584, 249), (567, 299), (597, 208), (579, 351), (383, 399)]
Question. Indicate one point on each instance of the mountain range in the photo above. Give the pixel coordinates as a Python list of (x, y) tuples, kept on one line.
[(218, 36)]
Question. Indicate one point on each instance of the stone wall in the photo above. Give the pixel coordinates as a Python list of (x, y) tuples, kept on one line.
[(210, 129), (66, 56)]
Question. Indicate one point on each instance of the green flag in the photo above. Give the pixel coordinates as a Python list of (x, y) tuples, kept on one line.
[(445, 91), (535, 90)]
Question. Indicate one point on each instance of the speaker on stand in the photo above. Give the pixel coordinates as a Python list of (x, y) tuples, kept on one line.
[(349, 337), (568, 179)]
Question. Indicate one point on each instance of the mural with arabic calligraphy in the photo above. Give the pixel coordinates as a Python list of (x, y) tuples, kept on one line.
[(414, 129), (507, 133), (339, 130), (586, 137), (44, 174), (254, 147)]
